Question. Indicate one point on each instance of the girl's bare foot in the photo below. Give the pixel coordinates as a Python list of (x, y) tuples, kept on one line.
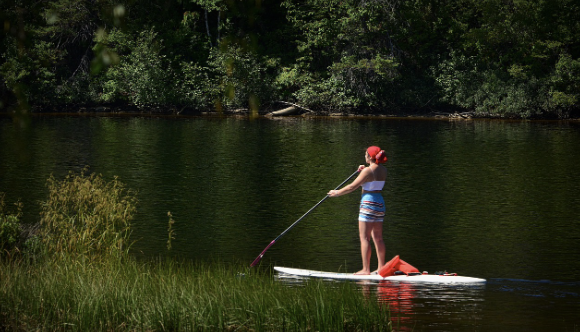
[(363, 272)]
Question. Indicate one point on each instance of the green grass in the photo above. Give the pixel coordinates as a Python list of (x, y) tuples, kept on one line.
[(73, 272), (128, 295)]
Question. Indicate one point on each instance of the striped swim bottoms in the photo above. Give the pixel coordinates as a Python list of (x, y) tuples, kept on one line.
[(372, 208)]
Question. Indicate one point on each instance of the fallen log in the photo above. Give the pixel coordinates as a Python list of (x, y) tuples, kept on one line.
[(285, 111), (295, 105), (291, 110)]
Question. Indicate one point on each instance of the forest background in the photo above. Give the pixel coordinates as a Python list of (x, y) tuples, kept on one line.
[(498, 58)]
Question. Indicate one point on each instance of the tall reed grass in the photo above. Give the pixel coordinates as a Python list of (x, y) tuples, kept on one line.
[(128, 295), (86, 215)]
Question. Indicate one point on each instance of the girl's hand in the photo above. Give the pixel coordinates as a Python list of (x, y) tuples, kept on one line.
[(332, 193), (361, 167)]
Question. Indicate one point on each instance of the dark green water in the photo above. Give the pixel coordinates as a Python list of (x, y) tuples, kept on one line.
[(492, 199)]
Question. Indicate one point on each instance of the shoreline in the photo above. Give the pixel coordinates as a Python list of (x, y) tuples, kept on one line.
[(172, 111)]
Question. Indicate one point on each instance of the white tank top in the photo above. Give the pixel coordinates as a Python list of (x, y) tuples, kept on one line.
[(373, 185)]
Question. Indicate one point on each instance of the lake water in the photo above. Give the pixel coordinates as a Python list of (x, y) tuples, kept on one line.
[(493, 199)]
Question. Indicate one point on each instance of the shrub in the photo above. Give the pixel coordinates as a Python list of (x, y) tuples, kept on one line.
[(85, 215), (466, 83), (9, 233), (139, 73), (195, 89), (565, 84), (9, 227)]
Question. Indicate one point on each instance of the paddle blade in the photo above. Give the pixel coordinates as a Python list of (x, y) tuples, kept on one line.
[(259, 258)]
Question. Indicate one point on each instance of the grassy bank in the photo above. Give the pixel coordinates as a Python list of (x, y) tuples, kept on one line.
[(73, 272), (159, 296)]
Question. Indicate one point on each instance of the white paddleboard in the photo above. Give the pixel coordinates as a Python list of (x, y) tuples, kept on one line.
[(431, 278)]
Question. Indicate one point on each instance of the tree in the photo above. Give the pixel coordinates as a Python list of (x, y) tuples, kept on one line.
[(347, 50), (507, 54)]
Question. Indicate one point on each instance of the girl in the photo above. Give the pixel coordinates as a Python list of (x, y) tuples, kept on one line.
[(372, 206)]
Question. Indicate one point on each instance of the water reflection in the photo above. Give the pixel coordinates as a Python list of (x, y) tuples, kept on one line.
[(421, 306), (397, 297), (426, 306)]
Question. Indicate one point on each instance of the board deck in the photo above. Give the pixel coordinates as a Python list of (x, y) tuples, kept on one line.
[(430, 278)]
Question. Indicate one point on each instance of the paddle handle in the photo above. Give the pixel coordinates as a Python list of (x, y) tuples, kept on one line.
[(257, 260)]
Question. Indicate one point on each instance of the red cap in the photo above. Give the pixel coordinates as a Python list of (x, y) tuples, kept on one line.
[(377, 154)]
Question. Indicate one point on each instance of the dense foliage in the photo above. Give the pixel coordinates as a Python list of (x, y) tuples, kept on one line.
[(491, 57)]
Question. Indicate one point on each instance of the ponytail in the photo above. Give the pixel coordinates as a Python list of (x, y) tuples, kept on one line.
[(377, 154), (381, 157)]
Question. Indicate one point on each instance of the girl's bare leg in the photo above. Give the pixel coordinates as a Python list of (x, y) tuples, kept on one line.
[(377, 235), (365, 234)]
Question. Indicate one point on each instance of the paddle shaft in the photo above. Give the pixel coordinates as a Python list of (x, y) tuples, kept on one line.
[(257, 260)]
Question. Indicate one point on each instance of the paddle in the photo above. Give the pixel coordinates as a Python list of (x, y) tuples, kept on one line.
[(257, 260)]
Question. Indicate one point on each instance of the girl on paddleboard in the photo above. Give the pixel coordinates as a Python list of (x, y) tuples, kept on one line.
[(372, 206)]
